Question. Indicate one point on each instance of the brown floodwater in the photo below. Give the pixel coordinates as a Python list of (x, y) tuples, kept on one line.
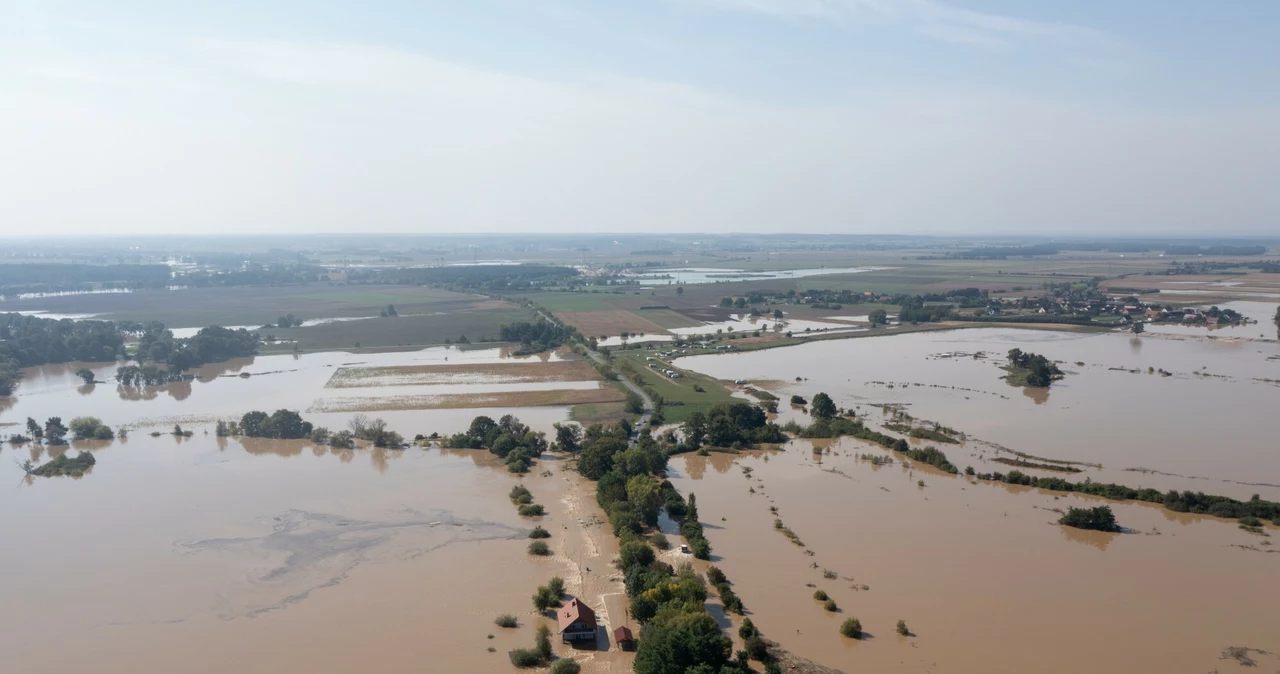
[(214, 555), (981, 573), (206, 554), (1202, 428)]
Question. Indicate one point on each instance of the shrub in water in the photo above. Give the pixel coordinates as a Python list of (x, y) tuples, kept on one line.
[(830, 605), (539, 548), (820, 595), (506, 620), (539, 532), (851, 628)]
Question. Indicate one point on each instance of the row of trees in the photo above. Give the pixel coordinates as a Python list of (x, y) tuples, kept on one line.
[(536, 336), (26, 341), (730, 425)]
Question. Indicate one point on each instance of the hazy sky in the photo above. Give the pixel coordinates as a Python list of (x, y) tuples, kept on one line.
[(855, 116)]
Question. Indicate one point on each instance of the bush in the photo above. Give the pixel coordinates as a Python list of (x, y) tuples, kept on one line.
[(716, 576), (1250, 521), (544, 599), (659, 541), (519, 494), (565, 666), (851, 628), (556, 585), (756, 648), (820, 595), (539, 532), (747, 629), (539, 548), (526, 657), (532, 510), (830, 605), (506, 620), (902, 628)]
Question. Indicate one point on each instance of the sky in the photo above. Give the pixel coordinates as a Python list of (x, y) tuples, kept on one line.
[(1134, 117)]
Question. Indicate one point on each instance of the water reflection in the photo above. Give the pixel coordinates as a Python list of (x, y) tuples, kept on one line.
[(1097, 539), (1039, 395), (85, 389)]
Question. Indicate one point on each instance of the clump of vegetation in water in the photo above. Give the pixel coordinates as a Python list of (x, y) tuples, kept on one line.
[(1098, 519), (732, 603), (90, 428), (510, 440), (830, 605), (547, 597), (506, 620), (520, 495), (556, 586), (532, 510), (902, 628), (799, 401), (659, 541), (852, 628), (820, 595), (565, 666), (1183, 502), (62, 465), (539, 548), (786, 531), (1031, 369), (729, 423), (539, 532)]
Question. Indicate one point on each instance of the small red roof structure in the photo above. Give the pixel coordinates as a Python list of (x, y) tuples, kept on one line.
[(576, 612), (623, 634)]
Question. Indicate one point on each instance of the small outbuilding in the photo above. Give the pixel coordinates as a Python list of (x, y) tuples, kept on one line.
[(624, 638)]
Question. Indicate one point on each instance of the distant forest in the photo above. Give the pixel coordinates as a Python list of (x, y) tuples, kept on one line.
[(27, 341), (60, 277)]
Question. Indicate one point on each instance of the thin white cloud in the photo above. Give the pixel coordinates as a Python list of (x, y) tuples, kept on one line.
[(928, 17)]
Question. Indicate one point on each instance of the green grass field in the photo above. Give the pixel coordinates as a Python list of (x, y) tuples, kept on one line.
[(677, 390)]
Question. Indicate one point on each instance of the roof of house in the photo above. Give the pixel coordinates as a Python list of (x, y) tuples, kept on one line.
[(576, 612), (623, 634)]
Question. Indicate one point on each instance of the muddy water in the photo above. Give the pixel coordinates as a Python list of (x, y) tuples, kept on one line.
[(984, 579), (1201, 428), (212, 555)]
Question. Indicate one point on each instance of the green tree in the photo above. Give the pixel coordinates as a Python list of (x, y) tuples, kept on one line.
[(86, 374), (54, 431), (878, 317), (634, 553), (645, 498), (822, 407), (542, 642), (568, 437), (596, 458), (34, 429), (682, 642), (695, 429)]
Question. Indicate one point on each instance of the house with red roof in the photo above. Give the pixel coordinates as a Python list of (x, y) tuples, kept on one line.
[(577, 622)]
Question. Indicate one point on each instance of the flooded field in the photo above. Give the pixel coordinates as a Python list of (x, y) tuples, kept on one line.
[(396, 382), (1200, 427), (984, 578)]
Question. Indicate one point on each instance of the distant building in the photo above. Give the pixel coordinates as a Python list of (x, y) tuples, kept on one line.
[(577, 622)]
